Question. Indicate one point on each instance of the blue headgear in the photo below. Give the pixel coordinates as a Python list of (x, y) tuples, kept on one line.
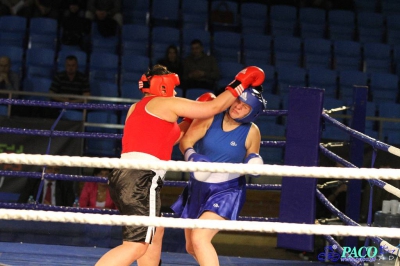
[(254, 99)]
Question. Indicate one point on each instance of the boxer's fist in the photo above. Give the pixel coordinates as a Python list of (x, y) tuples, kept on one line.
[(192, 156), (250, 76), (254, 158), (205, 97)]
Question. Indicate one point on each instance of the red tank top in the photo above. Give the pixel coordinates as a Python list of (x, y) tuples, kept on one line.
[(144, 132)]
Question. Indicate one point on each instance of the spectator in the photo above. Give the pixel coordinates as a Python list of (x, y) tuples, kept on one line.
[(96, 194), (12, 7), (55, 192), (107, 14), (70, 81), (199, 69), (172, 61), (75, 27), (73, 8), (9, 80), (41, 8)]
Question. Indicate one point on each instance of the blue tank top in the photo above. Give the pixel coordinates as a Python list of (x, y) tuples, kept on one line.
[(221, 146)]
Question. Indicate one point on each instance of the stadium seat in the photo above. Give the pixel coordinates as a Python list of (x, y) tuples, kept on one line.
[(377, 57), (257, 47), (253, 18), (228, 71), (312, 22), (227, 51), (165, 12), (287, 50), (13, 30), (370, 26), (348, 79), (195, 14), (283, 19), (289, 76), (323, 79), (347, 55), (384, 87), (341, 24), (131, 90), (317, 53)]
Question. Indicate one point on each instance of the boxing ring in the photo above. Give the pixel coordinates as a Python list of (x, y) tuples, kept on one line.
[(296, 225)]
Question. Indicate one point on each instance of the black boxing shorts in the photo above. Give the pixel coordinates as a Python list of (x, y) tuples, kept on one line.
[(136, 192)]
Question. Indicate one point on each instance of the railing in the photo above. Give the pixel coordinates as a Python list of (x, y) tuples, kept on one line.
[(87, 99)]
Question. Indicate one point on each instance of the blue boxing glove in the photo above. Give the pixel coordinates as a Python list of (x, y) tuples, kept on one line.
[(192, 156), (254, 158)]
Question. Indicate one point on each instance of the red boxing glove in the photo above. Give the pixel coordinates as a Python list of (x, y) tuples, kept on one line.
[(250, 76), (205, 97)]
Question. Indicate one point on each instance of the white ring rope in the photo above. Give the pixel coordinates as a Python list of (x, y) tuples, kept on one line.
[(265, 169), (266, 227)]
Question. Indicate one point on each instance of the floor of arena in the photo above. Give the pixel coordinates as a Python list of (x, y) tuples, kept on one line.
[(39, 254)]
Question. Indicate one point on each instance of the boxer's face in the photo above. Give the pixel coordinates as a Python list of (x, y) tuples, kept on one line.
[(239, 109)]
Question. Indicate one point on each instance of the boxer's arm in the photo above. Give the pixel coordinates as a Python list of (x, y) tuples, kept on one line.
[(196, 131)]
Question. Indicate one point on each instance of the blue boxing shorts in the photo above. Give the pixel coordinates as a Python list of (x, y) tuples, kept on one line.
[(225, 198)]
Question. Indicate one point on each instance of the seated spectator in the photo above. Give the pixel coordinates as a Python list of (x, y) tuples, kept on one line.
[(96, 194), (73, 8), (107, 14), (172, 61), (55, 192), (70, 81), (13, 7), (41, 8), (199, 69), (75, 27), (9, 80)]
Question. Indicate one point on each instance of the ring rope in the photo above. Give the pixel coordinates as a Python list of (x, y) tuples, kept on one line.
[(380, 183), (56, 133), (98, 179), (226, 225), (105, 179), (45, 207), (264, 169), (376, 239), (367, 139), (96, 106), (67, 105)]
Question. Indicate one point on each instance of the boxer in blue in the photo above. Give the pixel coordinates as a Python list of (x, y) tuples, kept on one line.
[(229, 137)]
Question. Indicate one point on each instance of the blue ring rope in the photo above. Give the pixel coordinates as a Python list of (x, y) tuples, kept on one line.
[(67, 105), (55, 133), (365, 138), (97, 106), (105, 179)]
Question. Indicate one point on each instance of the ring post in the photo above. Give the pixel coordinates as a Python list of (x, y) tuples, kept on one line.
[(303, 134), (353, 199)]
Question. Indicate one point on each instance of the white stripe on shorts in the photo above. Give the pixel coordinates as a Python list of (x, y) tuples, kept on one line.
[(153, 202)]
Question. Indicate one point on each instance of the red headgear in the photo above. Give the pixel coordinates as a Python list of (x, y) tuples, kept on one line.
[(160, 85)]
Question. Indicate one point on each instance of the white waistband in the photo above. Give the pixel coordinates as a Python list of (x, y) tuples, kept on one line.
[(138, 156), (218, 177), (143, 156)]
